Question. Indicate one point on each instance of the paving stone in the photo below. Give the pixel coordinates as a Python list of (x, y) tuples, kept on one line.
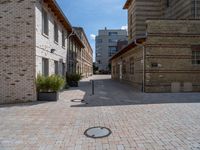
[(136, 123)]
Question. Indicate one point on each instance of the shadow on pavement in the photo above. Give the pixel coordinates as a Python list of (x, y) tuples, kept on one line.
[(109, 92)]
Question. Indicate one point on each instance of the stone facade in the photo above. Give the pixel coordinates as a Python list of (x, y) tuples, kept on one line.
[(24, 46), (168, 64), (86, 55), (168, 58), (181, 9), (140, 11), (45, 44)]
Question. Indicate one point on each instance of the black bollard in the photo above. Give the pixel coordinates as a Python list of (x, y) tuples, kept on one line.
[(92, 87)]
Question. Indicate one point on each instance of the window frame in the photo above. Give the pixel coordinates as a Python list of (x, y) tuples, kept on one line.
[(56, 34), (45, 23), (113, 33), (195, 57), (132, 66), (56, 67), (45, 66), (63, 39)]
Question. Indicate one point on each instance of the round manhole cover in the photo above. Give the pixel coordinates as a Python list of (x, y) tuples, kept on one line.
[(78, 100), (97, 132)]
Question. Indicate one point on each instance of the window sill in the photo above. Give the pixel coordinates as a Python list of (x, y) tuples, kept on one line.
[(56, 42), (46, 36)]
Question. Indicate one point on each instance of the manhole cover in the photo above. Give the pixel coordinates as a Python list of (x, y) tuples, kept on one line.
[(78, 100), (97, 132)]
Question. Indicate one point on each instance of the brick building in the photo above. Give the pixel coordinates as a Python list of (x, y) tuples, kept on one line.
[(163, 55), (33, 40), (85, 60)]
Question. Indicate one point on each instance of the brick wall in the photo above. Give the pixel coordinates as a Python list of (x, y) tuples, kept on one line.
[(169, 46), (132, 78), (168, 58), (17, 51)]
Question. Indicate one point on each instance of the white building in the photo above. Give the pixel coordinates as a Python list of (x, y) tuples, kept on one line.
[(106, 46), (33, 40)]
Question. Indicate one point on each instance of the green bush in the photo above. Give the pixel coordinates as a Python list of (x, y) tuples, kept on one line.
[(52, 83), (74, 77)]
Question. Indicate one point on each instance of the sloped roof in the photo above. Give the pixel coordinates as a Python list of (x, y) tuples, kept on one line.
[(128, 47), (127, 4), (55, 8)]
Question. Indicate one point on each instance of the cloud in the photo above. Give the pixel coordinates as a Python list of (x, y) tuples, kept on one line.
[(124, 27), (92, 36)]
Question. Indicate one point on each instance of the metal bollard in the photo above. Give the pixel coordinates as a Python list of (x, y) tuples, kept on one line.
[(92, 87)]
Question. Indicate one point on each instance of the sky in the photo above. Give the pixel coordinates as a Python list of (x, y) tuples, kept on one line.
[(93, 15)]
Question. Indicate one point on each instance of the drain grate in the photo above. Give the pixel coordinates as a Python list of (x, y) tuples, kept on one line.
[(97, 132), (78, 100)]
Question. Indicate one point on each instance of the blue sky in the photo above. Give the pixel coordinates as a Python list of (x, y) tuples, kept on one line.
[(93, 15)]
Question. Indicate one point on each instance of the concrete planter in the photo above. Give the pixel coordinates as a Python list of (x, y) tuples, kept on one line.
[(48, 96)]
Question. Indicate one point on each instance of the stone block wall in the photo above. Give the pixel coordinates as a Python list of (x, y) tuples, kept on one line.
[(181, 9), (169, 55), (135, 78), (17, 51), (168, 58)]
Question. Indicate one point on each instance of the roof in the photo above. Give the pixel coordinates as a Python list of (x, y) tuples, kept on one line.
[(128, 47), (59, 13), (55, 8), (127, 4), (82, 30)]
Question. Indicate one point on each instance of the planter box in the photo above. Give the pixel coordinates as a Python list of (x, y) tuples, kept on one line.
[(73, 83), (48, 96)]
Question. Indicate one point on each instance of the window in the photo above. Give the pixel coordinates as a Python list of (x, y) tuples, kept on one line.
[(112, 50), (113, 33), (45, 23), (131, 19), (132, 66), (124, 67), (63, 38), (167, 3), (154, 65), (113, 70), (45, 67), (55, 32), (63, 69), (196, 57), (99, 40), (112, 41), (117, 69), (56, 67), (130, 34)]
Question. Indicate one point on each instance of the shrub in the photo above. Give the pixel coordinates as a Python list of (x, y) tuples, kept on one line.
[(52, 83), (74, 77)]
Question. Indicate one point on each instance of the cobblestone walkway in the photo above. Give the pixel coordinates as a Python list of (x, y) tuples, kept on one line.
[(138, 121)]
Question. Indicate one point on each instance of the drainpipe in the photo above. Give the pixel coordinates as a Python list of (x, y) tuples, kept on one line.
[(143, 75), (68, 48)]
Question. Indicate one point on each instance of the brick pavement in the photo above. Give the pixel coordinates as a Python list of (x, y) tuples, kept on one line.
[(138, 121)]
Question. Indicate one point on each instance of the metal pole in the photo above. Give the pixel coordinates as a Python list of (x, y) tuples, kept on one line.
[(92, 87)]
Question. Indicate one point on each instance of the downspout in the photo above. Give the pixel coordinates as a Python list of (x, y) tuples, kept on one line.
[(143, 67), (68, 47)]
